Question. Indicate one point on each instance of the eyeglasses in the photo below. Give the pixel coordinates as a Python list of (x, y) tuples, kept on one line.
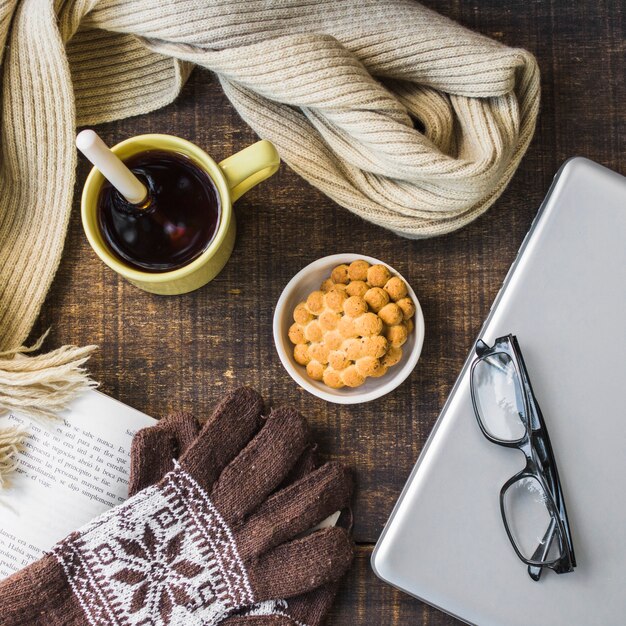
[(531, 502)]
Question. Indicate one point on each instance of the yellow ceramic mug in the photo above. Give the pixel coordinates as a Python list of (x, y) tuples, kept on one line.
[(232, 177)]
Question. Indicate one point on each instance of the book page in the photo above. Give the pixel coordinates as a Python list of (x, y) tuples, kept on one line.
[(72, 469)]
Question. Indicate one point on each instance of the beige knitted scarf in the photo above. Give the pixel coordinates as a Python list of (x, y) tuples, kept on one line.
[(396, 113)]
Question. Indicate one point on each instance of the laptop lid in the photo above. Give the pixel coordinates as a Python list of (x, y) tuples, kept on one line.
[(565, 300)]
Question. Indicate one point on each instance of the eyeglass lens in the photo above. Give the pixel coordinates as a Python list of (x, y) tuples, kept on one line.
[(498, 397), (530, 521)]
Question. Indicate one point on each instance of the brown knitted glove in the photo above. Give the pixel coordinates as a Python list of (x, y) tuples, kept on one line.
[(203, 542), (152, 455)]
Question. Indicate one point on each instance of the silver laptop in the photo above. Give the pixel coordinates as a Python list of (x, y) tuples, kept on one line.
[(565, 300)]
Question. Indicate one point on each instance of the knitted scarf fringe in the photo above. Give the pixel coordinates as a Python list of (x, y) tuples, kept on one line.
[(39, 386), (11, 442)]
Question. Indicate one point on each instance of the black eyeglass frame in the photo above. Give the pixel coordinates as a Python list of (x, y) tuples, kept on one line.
[(540, 463)]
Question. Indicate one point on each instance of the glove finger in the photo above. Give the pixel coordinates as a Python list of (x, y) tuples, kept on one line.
[(234, 422), (302, 565), (186, 428), (307, 462), (296, 509), (263, 465), (153, 449), (312, 608)]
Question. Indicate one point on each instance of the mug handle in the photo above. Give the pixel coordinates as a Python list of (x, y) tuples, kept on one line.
[(249, 167)]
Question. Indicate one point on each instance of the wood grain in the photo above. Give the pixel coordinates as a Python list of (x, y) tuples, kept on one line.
[(160, 354)]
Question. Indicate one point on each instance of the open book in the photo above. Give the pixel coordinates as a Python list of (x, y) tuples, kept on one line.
[(71, 470)]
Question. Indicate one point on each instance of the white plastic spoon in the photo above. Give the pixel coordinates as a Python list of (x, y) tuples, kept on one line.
[(111, 167)]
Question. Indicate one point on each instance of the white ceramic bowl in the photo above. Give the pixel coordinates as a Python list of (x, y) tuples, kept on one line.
[(299, 287)]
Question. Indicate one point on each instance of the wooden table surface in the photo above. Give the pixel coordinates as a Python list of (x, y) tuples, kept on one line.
[(161, 354)]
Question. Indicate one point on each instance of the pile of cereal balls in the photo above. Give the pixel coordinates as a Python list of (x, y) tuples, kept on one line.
[(354, 326)]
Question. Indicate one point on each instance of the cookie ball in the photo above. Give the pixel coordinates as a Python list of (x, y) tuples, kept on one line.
[(357, 270), (339, 287), (301, 314), (315, 302), (354, 306), (347, 328), (375, 346), (338, 360), (391, 314), (367, 366), (396, 288), (409, 326), (319, 352), (351, 377), (328, 320), (332, 378), (315, 370), (378, 275), (352, 348), (407, 307), (392, 357), (313, 331), (334, 299), (368, 324), (396, 335), (301, 354), (327, 285), (340, 274), (333, 339), (381, 371), (357, 288), (296, 334), (376, 298)]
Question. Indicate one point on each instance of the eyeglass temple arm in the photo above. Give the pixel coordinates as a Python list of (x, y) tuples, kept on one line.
[(534, 571), (543, 447)]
